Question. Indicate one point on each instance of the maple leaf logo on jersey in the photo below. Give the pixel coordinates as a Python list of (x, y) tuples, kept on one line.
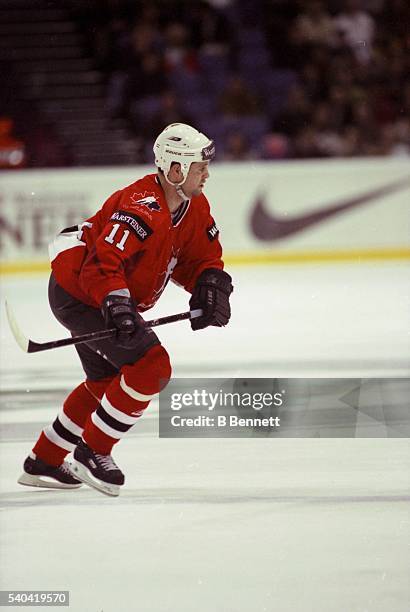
[(167, 274), (148, 200)]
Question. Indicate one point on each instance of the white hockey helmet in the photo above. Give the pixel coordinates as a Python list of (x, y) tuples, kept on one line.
[(183, 144)]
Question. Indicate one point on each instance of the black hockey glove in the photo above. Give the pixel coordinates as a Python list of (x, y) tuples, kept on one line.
[(119, 311), (211, 294)]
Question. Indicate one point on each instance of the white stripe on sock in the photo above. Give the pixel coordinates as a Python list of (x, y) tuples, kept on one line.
[(69, 424), (134, 394), (113, 433), (53, 436), (117, 414)]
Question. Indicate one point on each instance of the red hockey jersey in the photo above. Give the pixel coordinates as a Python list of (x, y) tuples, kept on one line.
[(134, 242)]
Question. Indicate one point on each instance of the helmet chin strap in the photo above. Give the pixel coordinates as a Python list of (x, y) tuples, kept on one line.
[(181, 193), (178, 186)]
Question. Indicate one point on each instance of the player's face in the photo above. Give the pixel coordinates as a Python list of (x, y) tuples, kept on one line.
[(197, 176)]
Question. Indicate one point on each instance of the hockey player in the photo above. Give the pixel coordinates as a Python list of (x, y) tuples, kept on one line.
[(105, 272)]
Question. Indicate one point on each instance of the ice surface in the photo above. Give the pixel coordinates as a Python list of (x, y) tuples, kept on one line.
[(287, 320), (231, 525), (220, 525)]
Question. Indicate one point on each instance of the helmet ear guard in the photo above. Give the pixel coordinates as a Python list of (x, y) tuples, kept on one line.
[(184, 145)]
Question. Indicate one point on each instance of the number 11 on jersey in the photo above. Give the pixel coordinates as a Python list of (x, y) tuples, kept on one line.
[(110, 238)]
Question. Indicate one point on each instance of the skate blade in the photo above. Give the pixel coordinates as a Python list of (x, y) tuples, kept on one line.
[(78, 470), (29, 480)]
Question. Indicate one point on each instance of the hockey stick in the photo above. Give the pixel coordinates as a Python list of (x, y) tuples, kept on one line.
[(29, 346)]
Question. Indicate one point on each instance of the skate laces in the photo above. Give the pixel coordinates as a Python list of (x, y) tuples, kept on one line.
[(64, 468), (107, 462)]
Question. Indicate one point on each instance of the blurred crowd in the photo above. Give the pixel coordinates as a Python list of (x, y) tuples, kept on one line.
[(352, 90), (267, 79)]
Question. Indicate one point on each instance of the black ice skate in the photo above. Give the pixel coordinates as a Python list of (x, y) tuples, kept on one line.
[(39, 474), (96, 470)]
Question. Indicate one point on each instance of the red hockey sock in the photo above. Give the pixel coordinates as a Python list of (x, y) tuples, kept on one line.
[(60, 438), (49, 452), (125, 400)]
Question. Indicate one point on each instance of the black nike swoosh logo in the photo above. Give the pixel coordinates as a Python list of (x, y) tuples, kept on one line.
[(267, 226)]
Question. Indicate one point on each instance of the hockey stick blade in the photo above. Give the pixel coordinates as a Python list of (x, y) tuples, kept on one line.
[(19, 337), (29, 346)]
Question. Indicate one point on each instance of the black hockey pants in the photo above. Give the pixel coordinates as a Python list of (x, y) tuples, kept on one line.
[(103, 358)]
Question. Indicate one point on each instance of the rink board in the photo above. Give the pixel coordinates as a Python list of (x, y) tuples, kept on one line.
[(290, 212)]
